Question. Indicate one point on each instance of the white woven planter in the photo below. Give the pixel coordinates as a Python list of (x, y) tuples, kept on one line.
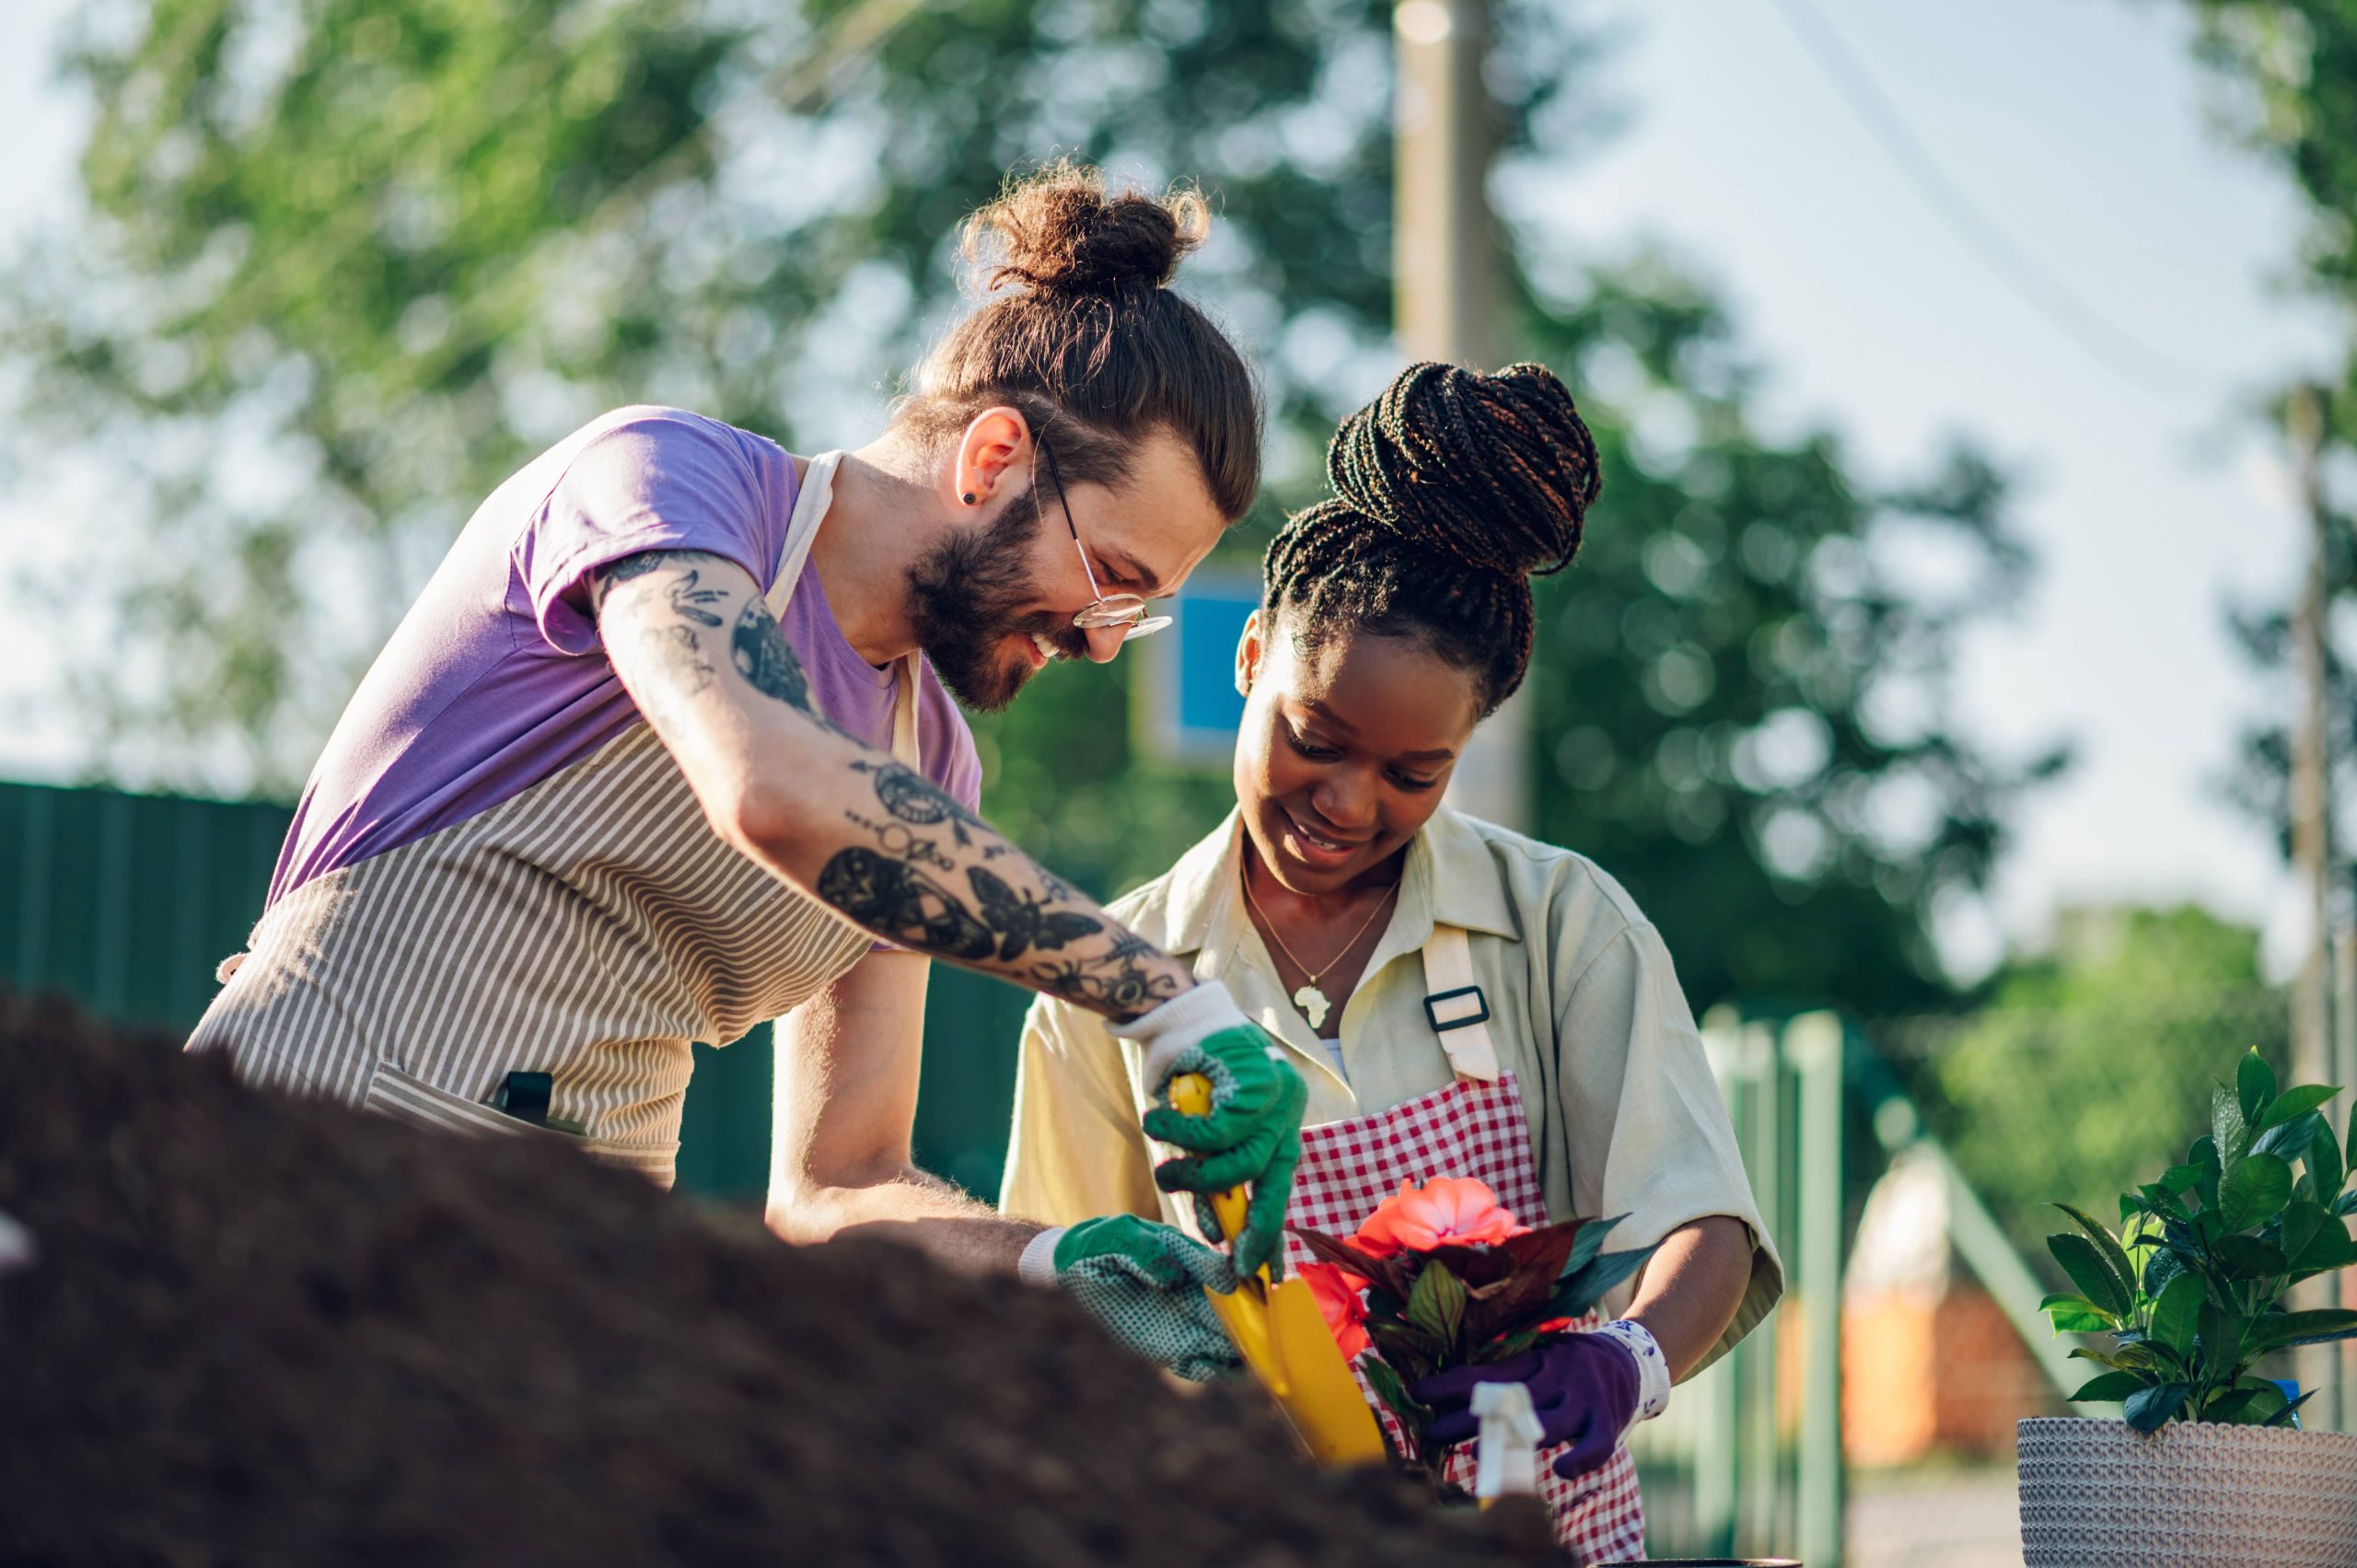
[(2101, 1494)]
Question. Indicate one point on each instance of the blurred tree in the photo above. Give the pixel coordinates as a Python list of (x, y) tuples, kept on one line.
[(347, 262), (2289, 70), (2089, 1068)]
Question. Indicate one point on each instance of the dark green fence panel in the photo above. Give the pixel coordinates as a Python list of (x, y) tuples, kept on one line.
[(127, 902)]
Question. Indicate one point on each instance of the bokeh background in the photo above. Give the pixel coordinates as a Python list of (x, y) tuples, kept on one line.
[(1958, 633)]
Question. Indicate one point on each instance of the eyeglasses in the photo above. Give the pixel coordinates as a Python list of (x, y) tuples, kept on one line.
[(1127, 611)]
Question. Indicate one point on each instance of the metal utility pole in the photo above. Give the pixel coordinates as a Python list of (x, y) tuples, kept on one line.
[(1444, 289), (2312, 1052)]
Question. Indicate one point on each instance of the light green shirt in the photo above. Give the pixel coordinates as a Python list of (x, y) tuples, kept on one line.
[(1586, 1010)]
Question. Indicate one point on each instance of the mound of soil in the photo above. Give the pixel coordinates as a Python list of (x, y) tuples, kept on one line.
[(260, 1331)]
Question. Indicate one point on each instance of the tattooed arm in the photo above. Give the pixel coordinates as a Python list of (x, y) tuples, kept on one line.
[(705, 660)]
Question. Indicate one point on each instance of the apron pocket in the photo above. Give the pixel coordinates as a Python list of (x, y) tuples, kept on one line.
[(408, 1098)]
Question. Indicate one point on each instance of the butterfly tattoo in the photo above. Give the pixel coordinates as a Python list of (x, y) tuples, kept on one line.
[(1020, 920)]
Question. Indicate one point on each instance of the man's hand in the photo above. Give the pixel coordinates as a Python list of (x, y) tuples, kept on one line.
[(1252, 1133), (1145, 1283)]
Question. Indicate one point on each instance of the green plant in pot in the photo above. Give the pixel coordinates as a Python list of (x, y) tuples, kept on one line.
[(2191, 1292)]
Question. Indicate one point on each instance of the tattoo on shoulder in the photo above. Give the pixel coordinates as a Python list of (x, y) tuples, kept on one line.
[(605, 578), (766, 660)]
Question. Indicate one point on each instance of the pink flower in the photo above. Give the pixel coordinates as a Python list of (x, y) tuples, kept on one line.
[(1445, 1210), (1337, 1292)]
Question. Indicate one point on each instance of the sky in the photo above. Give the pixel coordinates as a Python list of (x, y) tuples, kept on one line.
[(2079, 131)]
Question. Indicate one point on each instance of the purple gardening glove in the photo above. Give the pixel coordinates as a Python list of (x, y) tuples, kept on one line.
[(1583, 1388)]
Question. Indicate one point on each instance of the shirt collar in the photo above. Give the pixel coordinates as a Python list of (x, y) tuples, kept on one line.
[(1451, 880)]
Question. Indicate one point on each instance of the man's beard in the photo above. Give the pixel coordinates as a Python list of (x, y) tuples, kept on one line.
[(962, 596)]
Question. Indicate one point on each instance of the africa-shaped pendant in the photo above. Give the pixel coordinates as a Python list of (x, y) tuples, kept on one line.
[(1314, 1004)]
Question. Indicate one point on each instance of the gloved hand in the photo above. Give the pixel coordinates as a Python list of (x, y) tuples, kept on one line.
[(1586, 1390), (1144, 1283), (1252, 1133)]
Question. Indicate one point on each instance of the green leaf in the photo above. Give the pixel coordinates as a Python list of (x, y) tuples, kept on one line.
[(2277, 1329), (2161, 1267), (2331, 1248), (2090, 1273), (2222, 1337), (2324, 1161), (2109, 1386), (2076, 1315), (2254, 1087), (2287, 1140), (2228, 1132), (2253, 1192), (2101, 1358), (1588, 1286), (2291, 1408), (2177, 1314), (2293, 1102), (2346, 1204), (2227, 1407), (1393, 1391), (2161, 1198), (2267, 1401), (2248, 1258), (1587, 1242), (2179, 1178), (2208, 1168), (2114, 1256), (2149, 1408), (1436, 1304), (2302, 1218)]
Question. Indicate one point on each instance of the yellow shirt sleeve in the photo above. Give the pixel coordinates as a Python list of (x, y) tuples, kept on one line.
[(1077, 1150), (1648, 1128)]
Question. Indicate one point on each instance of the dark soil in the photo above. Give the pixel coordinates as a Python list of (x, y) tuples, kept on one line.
[(260, 1331)]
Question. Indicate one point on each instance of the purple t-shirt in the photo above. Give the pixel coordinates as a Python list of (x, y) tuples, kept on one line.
[(495, 679)]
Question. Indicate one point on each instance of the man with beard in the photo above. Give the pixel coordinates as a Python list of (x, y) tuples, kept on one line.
[(664, 750)]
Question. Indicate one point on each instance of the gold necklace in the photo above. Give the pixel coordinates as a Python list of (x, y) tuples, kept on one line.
[(1314, 1003)]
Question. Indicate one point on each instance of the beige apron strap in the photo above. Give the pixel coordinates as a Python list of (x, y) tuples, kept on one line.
[(1458, 1010), (907, 681), (810, 504)]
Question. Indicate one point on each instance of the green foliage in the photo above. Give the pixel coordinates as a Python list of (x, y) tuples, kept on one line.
[(2186, 1334), (2029, 1091), (2289, 68), (378, 251)]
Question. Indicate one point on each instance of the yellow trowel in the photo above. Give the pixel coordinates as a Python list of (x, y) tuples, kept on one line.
[(1282, 1337)]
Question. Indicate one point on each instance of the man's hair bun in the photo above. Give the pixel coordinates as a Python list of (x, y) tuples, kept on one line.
[(1057, 231), (1496, 472)]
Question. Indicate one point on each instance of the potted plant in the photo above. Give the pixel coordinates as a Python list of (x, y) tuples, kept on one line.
[(2207, 1464)]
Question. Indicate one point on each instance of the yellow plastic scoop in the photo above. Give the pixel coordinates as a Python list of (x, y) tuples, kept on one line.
[(1284, 1339)]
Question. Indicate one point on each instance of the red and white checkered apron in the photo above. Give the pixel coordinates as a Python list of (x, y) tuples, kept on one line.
[(1476, 1129)]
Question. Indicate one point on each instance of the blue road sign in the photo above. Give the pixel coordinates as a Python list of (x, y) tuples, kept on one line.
[(1187, 704)]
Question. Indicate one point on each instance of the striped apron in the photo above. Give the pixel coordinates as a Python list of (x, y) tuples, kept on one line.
[(592, 927)]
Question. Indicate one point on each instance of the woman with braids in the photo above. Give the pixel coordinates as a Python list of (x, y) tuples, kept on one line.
[(1464, 1001), (666, 748)]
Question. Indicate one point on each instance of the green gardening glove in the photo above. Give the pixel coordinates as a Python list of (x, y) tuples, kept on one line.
[(1252, 1133), (1144, 1283)]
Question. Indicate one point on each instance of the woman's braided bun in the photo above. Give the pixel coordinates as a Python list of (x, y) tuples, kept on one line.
[(1496, 470), (1058, 232), (1451, 491)]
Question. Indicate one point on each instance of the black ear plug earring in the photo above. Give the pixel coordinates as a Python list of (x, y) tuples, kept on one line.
[(970, 498)]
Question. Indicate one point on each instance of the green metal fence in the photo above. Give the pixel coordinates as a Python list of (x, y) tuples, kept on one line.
[(127, 902)]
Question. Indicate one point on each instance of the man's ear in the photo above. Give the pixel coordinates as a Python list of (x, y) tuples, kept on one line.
[(997, 443), (1248, 649)]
